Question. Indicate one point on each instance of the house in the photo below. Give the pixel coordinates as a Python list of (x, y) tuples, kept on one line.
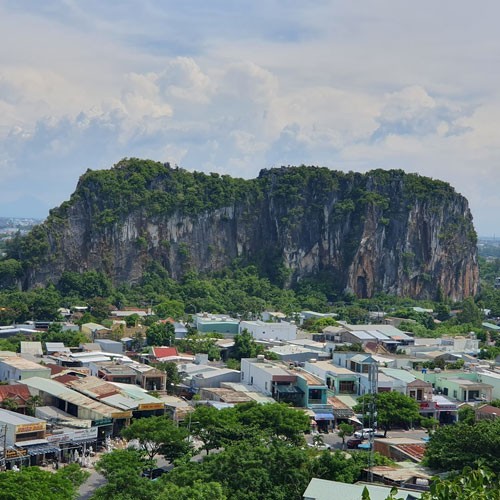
[(108, 345), (294, 386), (487, 412), (322, 489), (32, 348), (260, 330), (17, 368), (340, 380), (18, 394), (24, 436), (113, 372), (208, 323)]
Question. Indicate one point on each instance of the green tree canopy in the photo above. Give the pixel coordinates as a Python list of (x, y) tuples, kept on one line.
[(245, 346), (393, 409), (159, 435), (33, 483), (453, 447), (160, 334)]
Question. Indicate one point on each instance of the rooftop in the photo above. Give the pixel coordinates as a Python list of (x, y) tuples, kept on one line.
[(22, 364), (13, 418), (321, 489)]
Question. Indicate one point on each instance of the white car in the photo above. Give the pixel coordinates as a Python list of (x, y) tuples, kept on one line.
[(364, 433), (322, 446)]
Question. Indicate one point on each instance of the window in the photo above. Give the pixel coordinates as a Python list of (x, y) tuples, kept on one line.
[(242, 375), (265, 385)]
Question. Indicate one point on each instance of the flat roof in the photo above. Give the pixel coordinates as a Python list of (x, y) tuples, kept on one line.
[(13, 418), (400, 374), (337, 370), (22, 363)]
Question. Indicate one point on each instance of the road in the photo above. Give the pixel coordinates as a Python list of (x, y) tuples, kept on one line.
[(335, 441)]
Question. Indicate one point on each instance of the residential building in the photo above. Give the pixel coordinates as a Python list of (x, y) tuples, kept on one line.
[(208, 323), (25, 436), (262, 330), (340, 380), (322, 489), (14, 369), (17, 394)]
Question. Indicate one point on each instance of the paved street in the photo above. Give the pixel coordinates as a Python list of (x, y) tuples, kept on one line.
[(335, 441)]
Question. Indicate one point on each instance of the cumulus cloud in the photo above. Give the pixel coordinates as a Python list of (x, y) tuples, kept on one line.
[(229, 89)]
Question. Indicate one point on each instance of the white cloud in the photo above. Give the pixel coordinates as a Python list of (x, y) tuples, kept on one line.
[(239, 87)]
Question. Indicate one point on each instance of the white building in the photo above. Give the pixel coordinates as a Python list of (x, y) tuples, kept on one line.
[(261, 330), (16, 368)]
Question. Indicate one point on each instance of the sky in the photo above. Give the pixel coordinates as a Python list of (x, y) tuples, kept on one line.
[(234, 87)]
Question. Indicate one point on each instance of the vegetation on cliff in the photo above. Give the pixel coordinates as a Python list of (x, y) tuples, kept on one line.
[(295, 224)]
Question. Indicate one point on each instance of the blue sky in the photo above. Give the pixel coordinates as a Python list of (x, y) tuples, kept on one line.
[(233, 87)]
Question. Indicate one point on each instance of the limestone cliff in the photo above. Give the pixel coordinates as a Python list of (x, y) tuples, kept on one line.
[(384, 231)]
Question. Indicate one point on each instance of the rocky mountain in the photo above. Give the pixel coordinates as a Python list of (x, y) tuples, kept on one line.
[(383, 231)]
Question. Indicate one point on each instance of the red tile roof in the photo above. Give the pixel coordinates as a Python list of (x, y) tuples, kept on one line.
[(16, 391), (164, 352)]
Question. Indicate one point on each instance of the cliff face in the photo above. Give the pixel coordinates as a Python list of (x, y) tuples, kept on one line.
[(385, 231)]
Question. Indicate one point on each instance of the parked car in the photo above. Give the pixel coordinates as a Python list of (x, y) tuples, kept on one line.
[(322, 446), (353, 443), (154, 473), (364, 433)]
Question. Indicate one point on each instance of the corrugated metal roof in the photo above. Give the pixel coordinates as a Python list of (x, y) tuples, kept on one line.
[(62, 392)]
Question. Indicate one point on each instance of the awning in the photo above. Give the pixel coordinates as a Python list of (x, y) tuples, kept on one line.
[(324, 416), (356, 420), (84, 441), (42, 450)]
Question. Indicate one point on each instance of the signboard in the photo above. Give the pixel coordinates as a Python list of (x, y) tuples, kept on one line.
[(103, 421), (151, 406), (73, 435), (15, 453), (122, 414), (21, 429)]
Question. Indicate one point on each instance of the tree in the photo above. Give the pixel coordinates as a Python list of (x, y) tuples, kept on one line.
[(467, 415), (453, 447), (393, 408), (430, 424), (470, 312), (170, 308), (9, 404), (122, 470), (160, 334), (159, 435), (245, 346), (35, 484), (199, 490), (172, 372), (132, 320), (345, 430), (32, 403)]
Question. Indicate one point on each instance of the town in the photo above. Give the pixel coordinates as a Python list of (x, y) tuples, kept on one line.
[(370, 388)]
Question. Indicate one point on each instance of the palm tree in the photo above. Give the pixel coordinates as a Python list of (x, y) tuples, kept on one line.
[(317, 440), (32, 403), (9, 404)]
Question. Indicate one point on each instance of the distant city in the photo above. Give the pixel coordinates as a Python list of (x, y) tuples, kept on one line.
[(10, 226)]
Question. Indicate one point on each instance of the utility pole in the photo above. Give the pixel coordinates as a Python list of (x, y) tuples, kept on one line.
[(372, 414), (3, 437)]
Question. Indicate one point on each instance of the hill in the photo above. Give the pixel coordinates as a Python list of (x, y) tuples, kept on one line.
[(383, 231)]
